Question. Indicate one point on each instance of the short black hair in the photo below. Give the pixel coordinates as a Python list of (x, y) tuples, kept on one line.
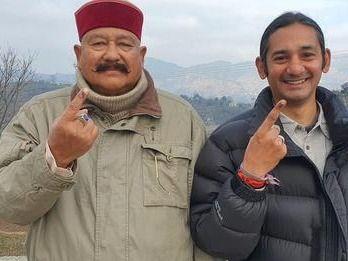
[(287, 19)]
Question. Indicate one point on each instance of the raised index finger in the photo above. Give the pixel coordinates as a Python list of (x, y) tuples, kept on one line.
[(272, 117), (76, 104)]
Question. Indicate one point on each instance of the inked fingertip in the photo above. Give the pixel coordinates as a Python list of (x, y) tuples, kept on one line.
[(85, 91), (282, 103)]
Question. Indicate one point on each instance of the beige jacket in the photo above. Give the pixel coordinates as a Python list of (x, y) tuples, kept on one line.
[(129, 197)]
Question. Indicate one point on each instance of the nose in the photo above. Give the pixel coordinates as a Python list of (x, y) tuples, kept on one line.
[(295, 67), (111, 52)]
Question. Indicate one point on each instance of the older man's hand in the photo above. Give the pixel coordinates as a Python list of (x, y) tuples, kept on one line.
[(266, 147), (70, 136)]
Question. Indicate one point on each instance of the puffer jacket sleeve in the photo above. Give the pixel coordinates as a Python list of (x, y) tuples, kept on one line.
[(28, 188), (226, 215)]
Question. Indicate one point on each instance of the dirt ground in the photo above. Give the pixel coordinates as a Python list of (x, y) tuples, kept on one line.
[(12, 240), (6, 228)]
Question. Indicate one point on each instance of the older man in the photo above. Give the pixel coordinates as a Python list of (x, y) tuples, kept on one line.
[(272, 183), (103, 171)]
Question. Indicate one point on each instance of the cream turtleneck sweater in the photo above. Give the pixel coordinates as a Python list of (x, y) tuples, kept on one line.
[(117, 106)]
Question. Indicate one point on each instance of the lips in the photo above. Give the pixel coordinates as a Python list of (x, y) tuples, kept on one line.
[(298, 80), (295, 82)]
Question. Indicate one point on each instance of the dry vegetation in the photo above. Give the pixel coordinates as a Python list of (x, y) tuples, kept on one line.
[(12, 239)]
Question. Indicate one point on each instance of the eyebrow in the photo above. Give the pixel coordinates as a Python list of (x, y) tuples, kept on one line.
[(308, 47), (284, 51), (279, 52), (127, 37), (104, 36)]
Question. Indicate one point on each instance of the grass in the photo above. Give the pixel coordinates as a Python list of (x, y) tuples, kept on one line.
[(12, 244)]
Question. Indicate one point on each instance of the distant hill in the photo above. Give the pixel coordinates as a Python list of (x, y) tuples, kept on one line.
[(216, 79), (36, 88), (338, 73), (57, 78), (161, 69)]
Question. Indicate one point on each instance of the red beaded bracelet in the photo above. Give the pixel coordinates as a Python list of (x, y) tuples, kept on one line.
[(255, 181), (256, 184)]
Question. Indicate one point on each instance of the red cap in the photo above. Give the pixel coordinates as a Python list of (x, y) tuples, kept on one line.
[(109, 13)]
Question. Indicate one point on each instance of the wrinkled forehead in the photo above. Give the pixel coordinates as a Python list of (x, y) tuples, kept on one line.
[(110, 33)]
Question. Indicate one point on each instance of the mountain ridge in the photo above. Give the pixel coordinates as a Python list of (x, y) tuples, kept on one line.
[(214, 79)]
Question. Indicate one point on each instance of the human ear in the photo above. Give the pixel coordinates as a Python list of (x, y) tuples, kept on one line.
[(261, 68)]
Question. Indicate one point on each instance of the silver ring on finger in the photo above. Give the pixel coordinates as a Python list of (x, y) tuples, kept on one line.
[(281, 138), (84, 118)]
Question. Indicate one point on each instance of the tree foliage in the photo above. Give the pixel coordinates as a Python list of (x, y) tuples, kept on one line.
[(344, 88), (215, 111)]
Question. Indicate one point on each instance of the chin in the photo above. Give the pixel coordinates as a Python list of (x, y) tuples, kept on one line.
[(114, 89), (292, 94), (298, 99)]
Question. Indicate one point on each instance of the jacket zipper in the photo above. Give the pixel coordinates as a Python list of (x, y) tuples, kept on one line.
[(331, 228), (329, 252)]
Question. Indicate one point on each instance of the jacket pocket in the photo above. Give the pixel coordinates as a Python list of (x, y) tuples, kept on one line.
[(165, 174)]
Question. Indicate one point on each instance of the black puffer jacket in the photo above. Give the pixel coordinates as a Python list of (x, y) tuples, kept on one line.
[(305, 219)]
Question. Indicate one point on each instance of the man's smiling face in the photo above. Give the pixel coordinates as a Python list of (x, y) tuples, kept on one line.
[(294, 63), (111, 60)]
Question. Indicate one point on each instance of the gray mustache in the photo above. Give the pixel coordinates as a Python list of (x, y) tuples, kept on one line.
[(103, 67)]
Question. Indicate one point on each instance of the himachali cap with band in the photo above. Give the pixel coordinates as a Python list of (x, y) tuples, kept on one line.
[(109, 13)]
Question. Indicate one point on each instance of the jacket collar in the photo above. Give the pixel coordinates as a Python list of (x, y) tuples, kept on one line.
[(148, 103), (334, 111), (336, 116)]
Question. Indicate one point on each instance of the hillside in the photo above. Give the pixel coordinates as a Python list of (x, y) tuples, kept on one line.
[(216, 79)]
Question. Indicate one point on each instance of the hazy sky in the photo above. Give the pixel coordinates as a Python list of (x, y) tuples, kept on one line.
[(185, 32)]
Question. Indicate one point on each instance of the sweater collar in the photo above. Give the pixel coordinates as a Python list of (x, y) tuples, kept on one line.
[(147, 104), (113, 104)]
